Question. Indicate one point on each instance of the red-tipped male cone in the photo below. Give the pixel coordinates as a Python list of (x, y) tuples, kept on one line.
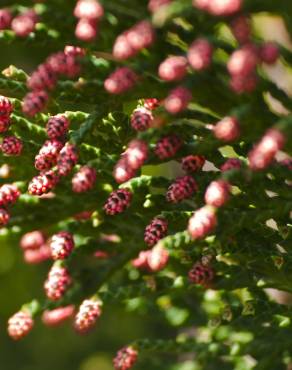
[(156, 230), (62, 245), (217, 193), (202, 222), (177, 100), (118, 201), (192, 163), (201, 274), (168, 146), (84, 179), (173, 68), (57, 282), (125, 358), (11, 145), (182, 188), (200, 54), (57, 316), (87, 315), (227, 129), (19, 325)]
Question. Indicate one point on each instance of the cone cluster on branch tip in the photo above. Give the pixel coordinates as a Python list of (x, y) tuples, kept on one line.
[(176, 119)]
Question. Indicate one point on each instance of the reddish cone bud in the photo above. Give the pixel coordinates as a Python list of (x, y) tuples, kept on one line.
[(131, 160), (23, 25), (57, 126), (136, 153), (34, 102), (84, 179), (231, 164), (36, 256), (4, 217), (4, 124), (217, 193), (62, 245), (51, 148), (156, 230), (182, 188), (202, 222), (141, 261), (5, 19), (19, 325), (227, 129), (43, 163), (64, 64), (200, 54), (122, 171), (244, 84), (6, 107), (88, 9), (74, 51), (201, 274), (87, 315), (32, 240), (57, 282), (168, 146), (57, 316), (121, 80), (240, 27), (141, 35), (157, 258), (8, 194), (125, 358), (269, 53), (155, 5), (178, 100), (43, 183), (67, 159), (44, 78), (243, 61), (118, 201), (122, 49), (192, 163), (264, 152), (86, 30), (151, 103), (173, 68), (219, 7), (11, 145), (141, 119)]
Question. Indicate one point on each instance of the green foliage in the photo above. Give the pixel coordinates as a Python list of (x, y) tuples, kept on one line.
[(236, 324)]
